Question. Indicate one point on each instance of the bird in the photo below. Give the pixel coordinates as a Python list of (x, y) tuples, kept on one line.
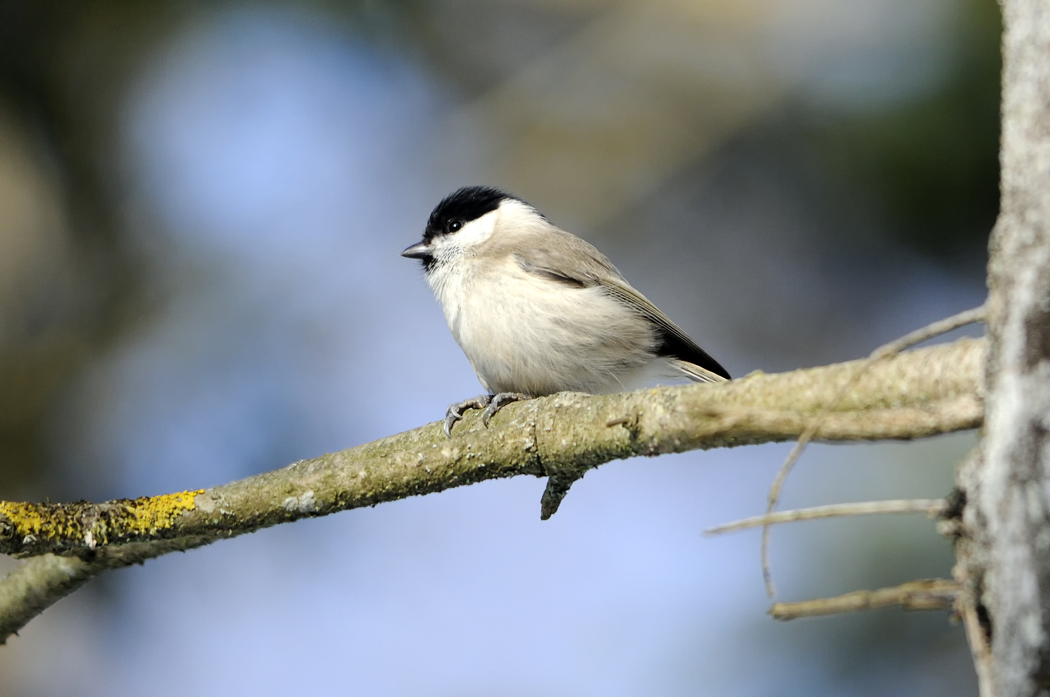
[(538, 310)]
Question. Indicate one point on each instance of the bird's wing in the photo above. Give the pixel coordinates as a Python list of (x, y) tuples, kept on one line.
[(674, 343), (583, 266), (563, 257)]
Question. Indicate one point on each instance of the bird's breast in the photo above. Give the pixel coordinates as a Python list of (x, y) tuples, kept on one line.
[(524, 333)]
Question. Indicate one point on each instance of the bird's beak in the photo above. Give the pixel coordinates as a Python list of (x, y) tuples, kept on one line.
[(418, 251)]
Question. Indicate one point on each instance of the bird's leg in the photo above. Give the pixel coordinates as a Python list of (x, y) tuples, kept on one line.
[(455, 410), (498, 401)]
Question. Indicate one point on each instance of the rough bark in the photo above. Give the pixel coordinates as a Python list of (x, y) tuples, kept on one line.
[(1006, 557)]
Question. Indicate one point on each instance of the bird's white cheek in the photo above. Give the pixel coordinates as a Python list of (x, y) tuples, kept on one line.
[(452, 276), (475, 232)]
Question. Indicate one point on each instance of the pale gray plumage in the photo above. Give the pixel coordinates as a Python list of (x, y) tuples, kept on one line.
[(538, 310)]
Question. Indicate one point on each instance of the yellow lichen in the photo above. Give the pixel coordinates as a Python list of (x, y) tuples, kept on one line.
[(24, 517), (83, 524), (35, 521), (149, 514)]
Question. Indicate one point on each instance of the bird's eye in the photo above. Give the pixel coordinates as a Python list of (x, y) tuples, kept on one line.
[(455, 225)]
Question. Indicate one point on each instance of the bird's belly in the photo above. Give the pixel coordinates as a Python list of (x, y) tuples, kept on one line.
[(541, 337)]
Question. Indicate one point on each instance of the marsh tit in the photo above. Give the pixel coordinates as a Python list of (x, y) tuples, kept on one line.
[(537, 310)]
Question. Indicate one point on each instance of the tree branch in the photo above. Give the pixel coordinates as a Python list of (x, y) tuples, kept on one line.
[(928, 594), (913, 395), (42, 581), (931, 507)]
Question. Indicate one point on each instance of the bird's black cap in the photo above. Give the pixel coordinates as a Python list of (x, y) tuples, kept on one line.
[(462, 206)]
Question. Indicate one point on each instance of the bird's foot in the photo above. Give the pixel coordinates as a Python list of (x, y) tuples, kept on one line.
[(491, 403), (455, 410), (498, 401)]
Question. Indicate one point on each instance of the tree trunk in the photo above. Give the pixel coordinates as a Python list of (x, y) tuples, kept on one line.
[(1006, 557)]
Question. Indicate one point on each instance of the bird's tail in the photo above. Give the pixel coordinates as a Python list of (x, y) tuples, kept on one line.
[(695, 372)]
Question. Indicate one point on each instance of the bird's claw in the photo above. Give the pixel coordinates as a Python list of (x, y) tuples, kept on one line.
[(455, 410), (499, 401), (489, 402)]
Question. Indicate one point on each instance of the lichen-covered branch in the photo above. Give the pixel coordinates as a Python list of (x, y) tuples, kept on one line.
[(913, 395)]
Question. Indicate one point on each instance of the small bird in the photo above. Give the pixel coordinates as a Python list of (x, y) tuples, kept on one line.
[(537, 310)]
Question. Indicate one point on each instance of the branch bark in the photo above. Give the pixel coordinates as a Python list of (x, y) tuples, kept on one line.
[(912, 395)]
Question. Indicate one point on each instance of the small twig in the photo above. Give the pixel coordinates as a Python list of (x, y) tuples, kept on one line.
[(889, 350), (774, 493), (979, 648), (941, 326), (930, 507), (976, 632), (929, 594)]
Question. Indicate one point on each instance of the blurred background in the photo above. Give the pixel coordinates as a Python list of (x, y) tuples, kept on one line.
[(201, 211)]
